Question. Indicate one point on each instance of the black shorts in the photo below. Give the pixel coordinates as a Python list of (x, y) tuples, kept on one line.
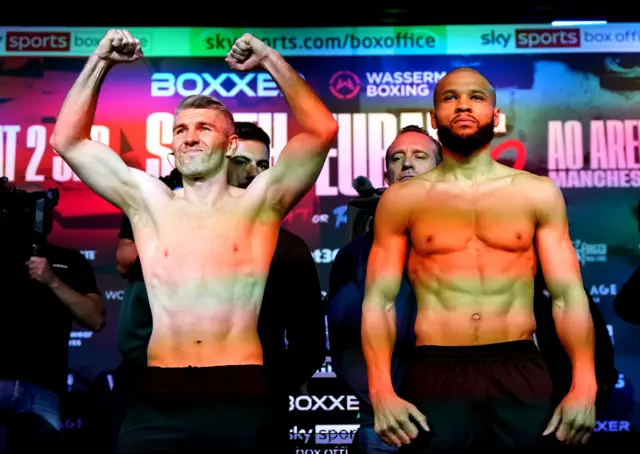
[(496, 397), (211, 410)]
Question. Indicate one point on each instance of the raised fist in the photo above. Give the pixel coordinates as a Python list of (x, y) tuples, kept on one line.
[(118, 46), (247, 53)]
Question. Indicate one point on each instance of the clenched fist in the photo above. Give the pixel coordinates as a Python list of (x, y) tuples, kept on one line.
[(40, 270), (247, 53), (118, 46)]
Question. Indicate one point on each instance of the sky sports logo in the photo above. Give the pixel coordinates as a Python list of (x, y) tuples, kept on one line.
[(325, 434), (38, 41), (548, 38)]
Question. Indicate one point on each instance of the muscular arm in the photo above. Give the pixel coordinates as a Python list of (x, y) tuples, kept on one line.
[(302, 159), (98, 166), (384, 277), (561, 270)]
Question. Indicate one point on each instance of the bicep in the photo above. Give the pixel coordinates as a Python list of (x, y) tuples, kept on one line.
[(558, 259), (105, 173), (296, 171), (386, 262)]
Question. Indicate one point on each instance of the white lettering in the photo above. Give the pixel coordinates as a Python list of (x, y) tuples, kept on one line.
[(226, 85), (325, 403), (36, 139), (8, 145)]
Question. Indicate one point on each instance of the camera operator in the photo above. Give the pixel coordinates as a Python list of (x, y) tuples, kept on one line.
[(412, 153), (46, 288)]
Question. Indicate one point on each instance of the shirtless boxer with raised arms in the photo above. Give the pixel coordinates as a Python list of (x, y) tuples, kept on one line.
[(205, 250), (468, 232)]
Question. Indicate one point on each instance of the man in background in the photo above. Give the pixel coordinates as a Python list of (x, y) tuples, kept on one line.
[(46, 289), (412, 153), (627, 301), (292, 303)]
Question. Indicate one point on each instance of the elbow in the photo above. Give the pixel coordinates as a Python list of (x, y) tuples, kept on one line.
[(330, 131), (61, 142)]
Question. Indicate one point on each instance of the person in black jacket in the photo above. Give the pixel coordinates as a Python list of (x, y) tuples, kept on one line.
[(292, 307), (627, 301)]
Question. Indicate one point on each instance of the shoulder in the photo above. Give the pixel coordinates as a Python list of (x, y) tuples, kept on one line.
[(540, 188)]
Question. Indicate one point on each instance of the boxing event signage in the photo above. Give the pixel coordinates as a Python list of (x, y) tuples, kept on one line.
[(341, 41), (569, 102)]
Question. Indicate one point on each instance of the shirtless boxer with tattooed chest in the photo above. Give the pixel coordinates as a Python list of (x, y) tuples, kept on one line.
[(470, 233), (205, 251)]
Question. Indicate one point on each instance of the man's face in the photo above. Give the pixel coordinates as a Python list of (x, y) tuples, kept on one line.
[(201, 140), (411, 154), (250, 160), (465, 114)]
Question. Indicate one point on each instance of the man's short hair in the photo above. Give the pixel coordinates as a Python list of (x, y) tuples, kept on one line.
[(206, 102), (419, 130), (248, 131)]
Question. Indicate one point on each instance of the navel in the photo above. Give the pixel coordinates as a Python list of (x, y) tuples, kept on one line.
[(235, 248), (476, 316), (166, 252), (198, 342)]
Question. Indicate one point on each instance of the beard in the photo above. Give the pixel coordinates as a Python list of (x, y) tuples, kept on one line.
[(465, 145)]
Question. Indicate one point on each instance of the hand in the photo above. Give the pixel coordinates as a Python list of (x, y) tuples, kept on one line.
[(392, 421), (40, 270), (574, 419), (247, 53), (118, 46)]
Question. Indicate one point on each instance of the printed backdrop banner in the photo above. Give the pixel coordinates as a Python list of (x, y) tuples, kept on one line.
[(569, 100)]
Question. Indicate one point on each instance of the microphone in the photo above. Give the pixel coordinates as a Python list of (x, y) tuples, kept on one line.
[(363, 187)]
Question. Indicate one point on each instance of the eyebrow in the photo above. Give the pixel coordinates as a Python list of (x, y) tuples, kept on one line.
[(200, 123), (475, 91)]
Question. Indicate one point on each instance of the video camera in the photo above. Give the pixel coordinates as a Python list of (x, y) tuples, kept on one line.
[(360, 211), (26, 218)]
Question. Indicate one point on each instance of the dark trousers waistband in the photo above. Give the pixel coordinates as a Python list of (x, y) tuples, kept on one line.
[(245, 381), (488, 352)]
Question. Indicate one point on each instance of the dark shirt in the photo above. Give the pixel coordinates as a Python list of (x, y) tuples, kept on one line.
[(344, 316), (627, 301), (346, 295), (35, 325), (292, 303)]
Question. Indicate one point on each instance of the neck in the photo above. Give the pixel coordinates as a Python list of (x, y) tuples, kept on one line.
[(205, 191), (476, 166)]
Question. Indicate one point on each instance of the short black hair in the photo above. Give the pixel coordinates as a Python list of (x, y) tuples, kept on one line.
[(249, 131), (419, 130)]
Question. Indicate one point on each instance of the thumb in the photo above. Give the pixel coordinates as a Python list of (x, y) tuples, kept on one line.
[(419, 418), (553, 424)]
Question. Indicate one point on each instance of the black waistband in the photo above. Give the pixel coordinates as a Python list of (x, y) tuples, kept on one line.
[(488, 352), (205, 382)]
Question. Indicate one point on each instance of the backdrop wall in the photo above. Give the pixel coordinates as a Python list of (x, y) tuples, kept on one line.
[(570, 110)]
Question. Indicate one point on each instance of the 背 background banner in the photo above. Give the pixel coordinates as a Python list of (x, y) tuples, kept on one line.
[(570, 100)]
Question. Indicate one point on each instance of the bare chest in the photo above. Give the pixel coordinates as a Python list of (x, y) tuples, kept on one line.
[(495, 220), (188, 245)]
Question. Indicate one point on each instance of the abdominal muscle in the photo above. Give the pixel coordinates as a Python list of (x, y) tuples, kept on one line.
[(204, 324), (457, 312)]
